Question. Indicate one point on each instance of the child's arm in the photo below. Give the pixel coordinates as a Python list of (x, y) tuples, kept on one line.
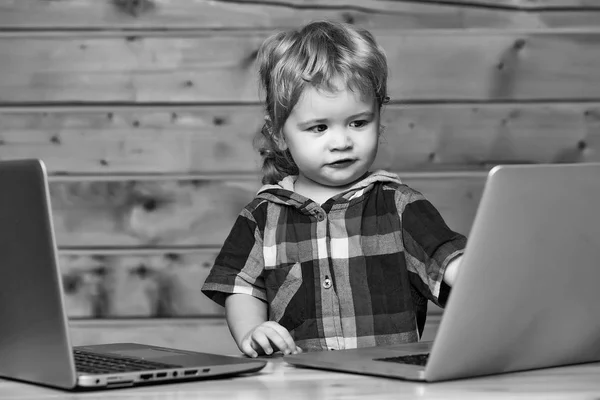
[(247, 319), (452, 271)]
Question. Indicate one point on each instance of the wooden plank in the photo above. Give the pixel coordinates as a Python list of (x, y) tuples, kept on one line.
[(559, 4), (126, 212), (147, 284), (218, 139), (425, 66), (200, 212), (276, 14), (469, 136), (209, 139), (140, 284), (524, 5)]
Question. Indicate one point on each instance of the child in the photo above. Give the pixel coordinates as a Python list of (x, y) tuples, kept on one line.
[(329, 255)]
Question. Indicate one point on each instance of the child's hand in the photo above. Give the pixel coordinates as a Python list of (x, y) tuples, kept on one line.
[(267, 338)]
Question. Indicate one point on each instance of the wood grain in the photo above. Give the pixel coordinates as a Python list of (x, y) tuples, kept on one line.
[(129, 283), (137, 284), (189, 212), (144, 111), (524, 5), (150, 213), (218, 139), (118, 140), (198, 67), (184, 14)]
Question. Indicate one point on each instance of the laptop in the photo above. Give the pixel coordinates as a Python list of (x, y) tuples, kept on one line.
[(34, 334), (526, 296)]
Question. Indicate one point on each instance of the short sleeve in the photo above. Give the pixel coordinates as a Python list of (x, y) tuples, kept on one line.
[(429, 246), (239, 266)]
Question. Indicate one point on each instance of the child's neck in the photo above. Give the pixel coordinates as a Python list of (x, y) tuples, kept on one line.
[(317, 192)]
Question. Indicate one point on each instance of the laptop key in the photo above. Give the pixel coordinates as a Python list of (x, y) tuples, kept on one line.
[(105, 363)]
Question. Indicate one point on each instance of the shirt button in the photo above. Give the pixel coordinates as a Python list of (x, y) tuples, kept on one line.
[(327, 283), (320, 216)]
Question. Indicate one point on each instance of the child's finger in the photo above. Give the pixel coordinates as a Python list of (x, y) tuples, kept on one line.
[(260, 338), (288, 345), (248, 349), (277, 340)]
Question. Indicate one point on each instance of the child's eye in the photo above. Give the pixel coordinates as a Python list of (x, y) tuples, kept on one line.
[(318, 128), (359, 123)]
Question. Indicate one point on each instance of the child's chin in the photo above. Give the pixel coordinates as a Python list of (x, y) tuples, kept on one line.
[(350, 180), (342, 183)]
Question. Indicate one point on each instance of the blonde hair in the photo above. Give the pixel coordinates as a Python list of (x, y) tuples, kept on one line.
[(317, 55)]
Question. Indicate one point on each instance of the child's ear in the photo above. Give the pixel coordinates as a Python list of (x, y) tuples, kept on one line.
[(277, 136), (281, 144)]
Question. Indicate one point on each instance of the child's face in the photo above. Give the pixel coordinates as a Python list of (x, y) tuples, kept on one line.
[(333, 137)]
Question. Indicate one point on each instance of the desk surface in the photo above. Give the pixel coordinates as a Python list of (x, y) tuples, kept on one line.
[(278, 380)]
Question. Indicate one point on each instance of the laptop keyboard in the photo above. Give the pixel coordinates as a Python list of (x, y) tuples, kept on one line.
[(94, 363), (413, 359)]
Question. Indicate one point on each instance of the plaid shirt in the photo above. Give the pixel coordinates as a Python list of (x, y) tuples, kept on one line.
[(356, 271)]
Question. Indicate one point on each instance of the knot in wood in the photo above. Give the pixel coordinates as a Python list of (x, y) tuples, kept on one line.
[(133, 7)]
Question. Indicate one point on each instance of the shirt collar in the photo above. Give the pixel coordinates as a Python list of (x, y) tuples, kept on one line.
[(283, 191)]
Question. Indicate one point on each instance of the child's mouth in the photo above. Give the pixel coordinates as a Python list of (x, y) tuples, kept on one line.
[(341, 163)]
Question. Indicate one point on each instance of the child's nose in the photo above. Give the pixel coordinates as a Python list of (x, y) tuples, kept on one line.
[(339, 139)]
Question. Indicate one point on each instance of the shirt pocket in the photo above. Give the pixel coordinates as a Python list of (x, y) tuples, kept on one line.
[(286, 295)]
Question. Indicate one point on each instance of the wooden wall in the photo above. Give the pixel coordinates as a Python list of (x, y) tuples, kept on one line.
[(144, 112)]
